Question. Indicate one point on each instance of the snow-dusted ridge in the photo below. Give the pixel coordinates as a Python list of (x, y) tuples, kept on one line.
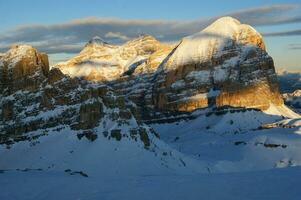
[(212, 40), (101, 61), (96, 40)]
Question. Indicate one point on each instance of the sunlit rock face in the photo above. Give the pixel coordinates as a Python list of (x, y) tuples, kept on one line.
[(224, 65), (22, 67), (36, 100), (101, 61)]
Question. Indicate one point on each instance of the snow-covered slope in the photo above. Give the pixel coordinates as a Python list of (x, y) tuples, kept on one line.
[(283, 111), (236, 142), (289, 80), (276, 184), (214, 39), (251, 162), (62, 150)]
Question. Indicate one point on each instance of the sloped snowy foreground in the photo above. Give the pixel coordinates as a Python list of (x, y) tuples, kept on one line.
[(237, 142), (272, 184), (240, 155)]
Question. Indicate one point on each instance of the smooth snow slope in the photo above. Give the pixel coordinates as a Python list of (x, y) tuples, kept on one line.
[(212, 157), (235, 142), (62, 150), (273, 184)]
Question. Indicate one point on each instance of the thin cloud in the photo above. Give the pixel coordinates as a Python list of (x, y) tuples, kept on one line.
[(284, 33), (269, 15), (116, 35), (70, 37)]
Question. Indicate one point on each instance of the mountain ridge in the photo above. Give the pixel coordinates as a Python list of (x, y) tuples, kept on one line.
[(123, 99)]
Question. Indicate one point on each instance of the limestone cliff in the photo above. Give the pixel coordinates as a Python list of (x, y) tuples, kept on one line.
[(22, 67), (224, 65), (34, 101), (108, 87)]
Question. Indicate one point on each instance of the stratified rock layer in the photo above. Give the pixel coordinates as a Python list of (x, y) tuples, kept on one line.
[(224, 65), (35, 100), (112, 89)]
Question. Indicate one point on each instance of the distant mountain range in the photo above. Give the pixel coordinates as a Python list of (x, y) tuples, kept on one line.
[(289, 81)]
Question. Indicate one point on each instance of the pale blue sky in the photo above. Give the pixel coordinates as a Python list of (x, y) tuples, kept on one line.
[(50, 26)]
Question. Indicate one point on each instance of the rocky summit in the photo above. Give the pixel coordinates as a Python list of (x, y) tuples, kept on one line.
[(107, 109), (22, 68), (224, 65)]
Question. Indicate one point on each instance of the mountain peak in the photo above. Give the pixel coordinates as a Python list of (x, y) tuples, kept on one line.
[(226, 27), (18, 52), (227, 20), (23, 68), (229, 28), (20, 49), (216, 38), (144, 35), (96, 40), (142, 38)]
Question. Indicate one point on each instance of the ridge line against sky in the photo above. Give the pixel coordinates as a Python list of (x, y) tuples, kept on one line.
[(278, 23)]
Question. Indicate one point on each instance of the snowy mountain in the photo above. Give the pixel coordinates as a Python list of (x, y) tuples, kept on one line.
[(172, 121), (293, 100), (100, 61), (289, 81), (224, 65), (290, 85)]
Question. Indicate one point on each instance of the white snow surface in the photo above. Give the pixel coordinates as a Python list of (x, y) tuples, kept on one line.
[(16, 53), (281, 111), (212, 40), (276, 184), (105, 60)]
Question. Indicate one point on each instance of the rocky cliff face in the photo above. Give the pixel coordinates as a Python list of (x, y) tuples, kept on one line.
[(22, 67), (35, 101), (223, 66)]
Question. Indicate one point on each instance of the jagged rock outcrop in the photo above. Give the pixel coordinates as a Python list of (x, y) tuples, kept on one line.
[(56, 101), (22, 67)]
